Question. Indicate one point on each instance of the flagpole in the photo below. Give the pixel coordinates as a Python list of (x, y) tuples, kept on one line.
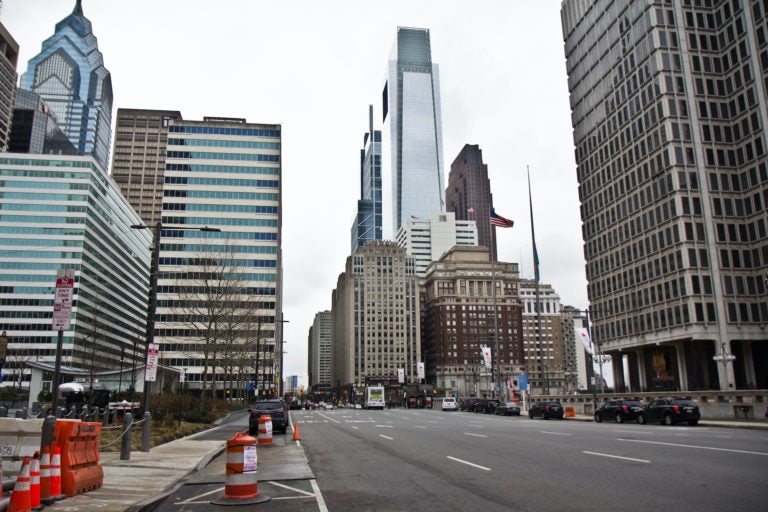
[(542, 366), (493, 259)]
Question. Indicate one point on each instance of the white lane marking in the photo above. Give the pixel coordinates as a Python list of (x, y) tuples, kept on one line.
[(384, 426), (419, 426), (616, 457), (318, 496), (328, 418), (556, 433), (356, 428), (695, 446), (634, 431), (294, 489), (198, 496), (387, 437), (475, 435), (469, 463)]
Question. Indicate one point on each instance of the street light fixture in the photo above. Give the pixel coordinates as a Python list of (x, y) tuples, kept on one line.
[(151, 308)]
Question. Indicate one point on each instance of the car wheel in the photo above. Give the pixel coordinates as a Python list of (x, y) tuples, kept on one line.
[(693, 423), (641, 419), (668, 419), (619, 418), (598, 418)]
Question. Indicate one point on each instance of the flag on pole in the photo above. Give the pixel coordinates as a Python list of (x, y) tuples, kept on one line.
[(583, 335), (533, 235), (499, 221), (486, 356)]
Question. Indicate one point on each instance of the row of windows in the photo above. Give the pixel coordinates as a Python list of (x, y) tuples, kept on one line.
[(220, 130), (219, 221), (245, 157), (209, 277), (202, 290), (228, 208), (220, 182), (178, 262), (251, 304), (220, 194), (218, 249), (231, 169), (215, 143)]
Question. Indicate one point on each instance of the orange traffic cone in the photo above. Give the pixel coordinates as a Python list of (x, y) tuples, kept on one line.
[(34, 481), (20, 498), (56, 474), (296, 436), (45, 474)]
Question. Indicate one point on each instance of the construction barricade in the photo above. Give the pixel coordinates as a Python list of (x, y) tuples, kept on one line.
[(78, 442), (570, 412), (265, 429), (242, 486)]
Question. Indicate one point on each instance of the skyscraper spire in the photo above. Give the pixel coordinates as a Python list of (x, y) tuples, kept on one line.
[(78, 8)]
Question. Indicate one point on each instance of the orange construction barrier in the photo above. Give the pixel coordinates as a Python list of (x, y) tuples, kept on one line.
[(570, 412), (265, 429), (56, 474), (21, 501), (79, 444), (296, 436), (34, 481), (241, 485)]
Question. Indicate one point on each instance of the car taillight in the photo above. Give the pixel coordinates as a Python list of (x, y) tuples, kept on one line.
[(546, 408), (676, 408), (624, 408)]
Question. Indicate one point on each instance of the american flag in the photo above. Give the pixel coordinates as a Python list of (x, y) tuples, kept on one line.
[(499, 221)]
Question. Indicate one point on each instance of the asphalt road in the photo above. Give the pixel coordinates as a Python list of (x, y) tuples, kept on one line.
[(453, 461), (413, 460)]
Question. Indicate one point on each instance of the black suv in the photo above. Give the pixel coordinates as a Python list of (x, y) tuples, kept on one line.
[(546, 410), (620, 410), (672, 410), (276, 409), (469, 404), (486, 405)]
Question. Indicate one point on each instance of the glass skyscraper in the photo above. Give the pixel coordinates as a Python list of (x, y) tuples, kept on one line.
[(367, 225), (69, 75), (411, 101)]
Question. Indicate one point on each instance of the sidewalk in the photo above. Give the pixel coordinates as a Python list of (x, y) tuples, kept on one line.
[(136, 485)]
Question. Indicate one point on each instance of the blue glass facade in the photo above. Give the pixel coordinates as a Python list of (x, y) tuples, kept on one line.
[(69, 75), (64, 212), (367, 225), (412, 103)]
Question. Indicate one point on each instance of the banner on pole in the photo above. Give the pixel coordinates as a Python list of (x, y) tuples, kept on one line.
[(152, 355)]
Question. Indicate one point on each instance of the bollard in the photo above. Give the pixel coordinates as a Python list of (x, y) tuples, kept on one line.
[(242, 486), (125, 442), (146, 431)]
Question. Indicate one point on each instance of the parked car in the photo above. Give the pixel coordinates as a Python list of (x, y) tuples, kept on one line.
[(620, 410), (449, 404), (671, 410), (546, 409), (508, 409), (468, 404), (276, 409), (486, 405)]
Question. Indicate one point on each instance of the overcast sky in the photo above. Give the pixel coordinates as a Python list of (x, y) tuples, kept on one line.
[(314, 67)]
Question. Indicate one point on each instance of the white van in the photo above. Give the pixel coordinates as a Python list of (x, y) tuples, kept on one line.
[(449, 404)]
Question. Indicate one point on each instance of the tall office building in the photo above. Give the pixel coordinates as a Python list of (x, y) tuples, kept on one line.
[(9, 57), (426, 240), (320, 350), (34, 128), (138, 160), (375, 318), (669, 114), (225, 174), (469, 298), (65, 213), (367, 225), (411, 104), (70, 77), (468, 194)]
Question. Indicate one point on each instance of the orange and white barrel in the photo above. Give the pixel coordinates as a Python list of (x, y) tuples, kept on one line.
[(241, 486), (265, 429)]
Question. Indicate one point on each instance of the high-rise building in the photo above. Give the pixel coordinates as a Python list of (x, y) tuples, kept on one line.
[(34, 128), (219, 293), (468, 194), (138, 160), (9, 57), (367, 225), (411, 103), (65, 213), (468, 299), (376, 318), (320, 348), (70, 77), (426, 240), (669, 111), (542, 338)]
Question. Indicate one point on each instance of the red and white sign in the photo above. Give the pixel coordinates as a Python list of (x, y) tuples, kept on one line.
[(62, 299), (153, 354)]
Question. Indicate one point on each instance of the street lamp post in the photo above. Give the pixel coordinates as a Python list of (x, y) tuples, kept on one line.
[(151, 308)]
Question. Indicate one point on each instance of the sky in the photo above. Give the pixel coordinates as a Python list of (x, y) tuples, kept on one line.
[(314, 67)]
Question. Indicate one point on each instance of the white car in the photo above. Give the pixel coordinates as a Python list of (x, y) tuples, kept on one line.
[(449, 404)]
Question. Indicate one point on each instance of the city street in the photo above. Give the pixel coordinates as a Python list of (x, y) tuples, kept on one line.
[(395, 460)]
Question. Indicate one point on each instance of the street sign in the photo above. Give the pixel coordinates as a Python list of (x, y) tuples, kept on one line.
[(62, 299), (152, 355), (724, 357), (522, 380)]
